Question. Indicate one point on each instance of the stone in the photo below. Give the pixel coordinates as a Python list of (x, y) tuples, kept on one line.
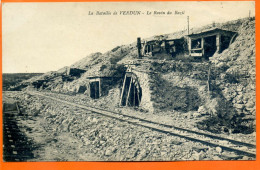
[(202, 110), (219, 149), (239, 102), (142, 154), (163, 153), (199, 149), (196, 114), (244, 148), (231, 156), (87, 142), (223, 142), (176, 142), (200, 156), (239, 106), (250, 104), (95, 120), (239, 97), (245, 158), (216, 158), (110, 151), (239, 88)]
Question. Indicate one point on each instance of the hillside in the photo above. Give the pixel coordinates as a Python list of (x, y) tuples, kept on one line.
[(11, 79), (117, 106), (223, 88)]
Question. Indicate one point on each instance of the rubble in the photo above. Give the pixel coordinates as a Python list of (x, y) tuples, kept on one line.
[(217, 96)]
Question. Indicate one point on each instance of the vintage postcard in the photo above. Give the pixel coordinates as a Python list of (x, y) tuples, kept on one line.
[(129, 81)]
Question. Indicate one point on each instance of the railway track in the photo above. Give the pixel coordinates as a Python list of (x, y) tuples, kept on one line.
[(238, 147), (16, 146)]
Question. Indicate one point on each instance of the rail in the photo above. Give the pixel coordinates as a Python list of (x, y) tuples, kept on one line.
[(208, 139)]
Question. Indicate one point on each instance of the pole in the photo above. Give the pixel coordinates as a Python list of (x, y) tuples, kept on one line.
[(139, 46), (188, 20)]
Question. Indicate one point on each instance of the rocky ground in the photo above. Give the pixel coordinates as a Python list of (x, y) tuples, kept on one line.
[(65, 133), (186, 120), (218, 97)]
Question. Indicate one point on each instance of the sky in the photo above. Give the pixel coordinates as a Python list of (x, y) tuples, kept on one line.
[(42, 37)]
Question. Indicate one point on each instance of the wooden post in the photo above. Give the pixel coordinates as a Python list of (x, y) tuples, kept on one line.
[(96, 88), (138, 97), (139, 46), (189, 45), (208, 83), (218, 42), (202, 46), (18, 109), (100, 87), (134, 96), (143, 50), (88, 90), (123, 90), (129, 91)]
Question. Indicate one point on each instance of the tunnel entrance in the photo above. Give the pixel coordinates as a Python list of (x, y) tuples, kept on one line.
[(94, 89), (131, 93)]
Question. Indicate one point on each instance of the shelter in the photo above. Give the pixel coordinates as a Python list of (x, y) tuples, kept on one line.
[(98, 86), (131, 94), (160, 45), (206, 43), (75, 72), (94, 87)]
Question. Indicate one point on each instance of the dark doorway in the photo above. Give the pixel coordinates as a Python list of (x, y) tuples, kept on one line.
[(225, 40), (94, 89), (209, 46), (132, 92)]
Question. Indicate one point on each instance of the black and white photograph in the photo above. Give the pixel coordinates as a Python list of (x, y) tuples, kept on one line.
[(129, 81)]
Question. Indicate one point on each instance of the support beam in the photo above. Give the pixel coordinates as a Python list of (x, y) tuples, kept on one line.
[(123, 90), (189, 45), (218, 43), (138, 97), (88, 89), (202, 46), (96, 88), (134, 96), (129, 91), (100, 88), (143, 49)]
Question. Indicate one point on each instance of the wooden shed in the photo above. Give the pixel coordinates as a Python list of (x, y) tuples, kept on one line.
[(205, 43), (160, 45)]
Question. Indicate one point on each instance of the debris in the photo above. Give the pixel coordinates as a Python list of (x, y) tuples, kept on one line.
[(228, 156), (199, 149), (219, 149), (199, 156)]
